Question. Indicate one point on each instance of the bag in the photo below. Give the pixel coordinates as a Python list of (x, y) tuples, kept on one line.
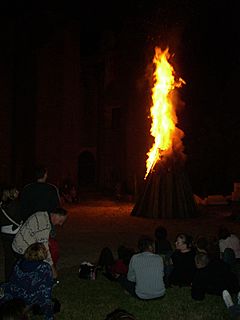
[(87, 271)]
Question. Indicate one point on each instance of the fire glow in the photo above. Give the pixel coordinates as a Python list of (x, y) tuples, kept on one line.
[(167, 137)]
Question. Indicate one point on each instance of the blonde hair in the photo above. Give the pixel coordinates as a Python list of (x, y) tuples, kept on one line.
[(36, 252)]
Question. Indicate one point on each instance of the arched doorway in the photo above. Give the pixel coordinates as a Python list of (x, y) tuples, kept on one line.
[(86, 170)]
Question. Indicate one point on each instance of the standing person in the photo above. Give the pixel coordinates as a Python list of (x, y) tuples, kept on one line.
[(37, 228), (31, 281), (10, 223), (145, 274), (39, 195)]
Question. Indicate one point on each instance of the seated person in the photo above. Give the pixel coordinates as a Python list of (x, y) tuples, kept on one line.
[(212, 277), (145, 274), (162, 245), (31, 281), (164, 248), (228, 240), (233, 308), (114, 268), (183, 262)]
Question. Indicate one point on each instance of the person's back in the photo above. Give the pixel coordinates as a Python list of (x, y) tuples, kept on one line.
[(39, 195), (146, 270)]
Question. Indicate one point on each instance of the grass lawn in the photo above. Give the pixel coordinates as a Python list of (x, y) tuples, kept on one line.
[(88, 300), (90, 227)]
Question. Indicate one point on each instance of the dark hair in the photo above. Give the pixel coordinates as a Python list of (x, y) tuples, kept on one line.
[(40, 172), (202, 243), (223, 233), (125, 254), (186, 238), (120, 314), (144, 243), (161, 233), (59, 211)]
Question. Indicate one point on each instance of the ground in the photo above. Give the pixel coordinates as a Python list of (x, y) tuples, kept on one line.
[(94, 224)]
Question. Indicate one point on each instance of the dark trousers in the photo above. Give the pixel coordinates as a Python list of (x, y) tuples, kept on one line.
[(129, 286)]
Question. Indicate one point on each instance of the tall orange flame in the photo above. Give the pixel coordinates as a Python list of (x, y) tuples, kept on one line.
[(163, 114)]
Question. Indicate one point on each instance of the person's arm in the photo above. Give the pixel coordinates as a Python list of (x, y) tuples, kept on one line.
[(131, 273)]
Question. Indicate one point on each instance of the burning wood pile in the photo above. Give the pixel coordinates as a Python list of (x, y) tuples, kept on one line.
[(167, 191)]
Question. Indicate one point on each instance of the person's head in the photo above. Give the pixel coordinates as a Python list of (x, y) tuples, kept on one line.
[(183, 242), (201, 260), (223, 233), (120, 314), (41, 173), (145, 243), (36, 252), (202, 244), (9, 193), (58, 216), (125, 254), (161, 233), (14, 309)]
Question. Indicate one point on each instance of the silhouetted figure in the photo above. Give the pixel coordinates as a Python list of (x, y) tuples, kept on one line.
[(39, 195), (212, 277), (10, 222)]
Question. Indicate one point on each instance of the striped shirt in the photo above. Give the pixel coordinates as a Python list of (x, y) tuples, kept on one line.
[(146, 269), (35, 229)]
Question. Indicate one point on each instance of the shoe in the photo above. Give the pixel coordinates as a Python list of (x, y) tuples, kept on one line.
[(227, 298)]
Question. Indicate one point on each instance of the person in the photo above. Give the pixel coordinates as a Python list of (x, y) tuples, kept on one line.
[(228, 240), (39, 195), (183, 261), (163, 247), (32, 281), (114, 268), (37, 228), (233, 308), (118, 314), (145, 274), (10, 222), (212, 277)]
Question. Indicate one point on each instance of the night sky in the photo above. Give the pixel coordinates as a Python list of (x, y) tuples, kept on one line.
[(203, 35)]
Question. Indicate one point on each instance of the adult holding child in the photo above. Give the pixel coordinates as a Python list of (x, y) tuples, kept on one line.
[(37, 228)]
